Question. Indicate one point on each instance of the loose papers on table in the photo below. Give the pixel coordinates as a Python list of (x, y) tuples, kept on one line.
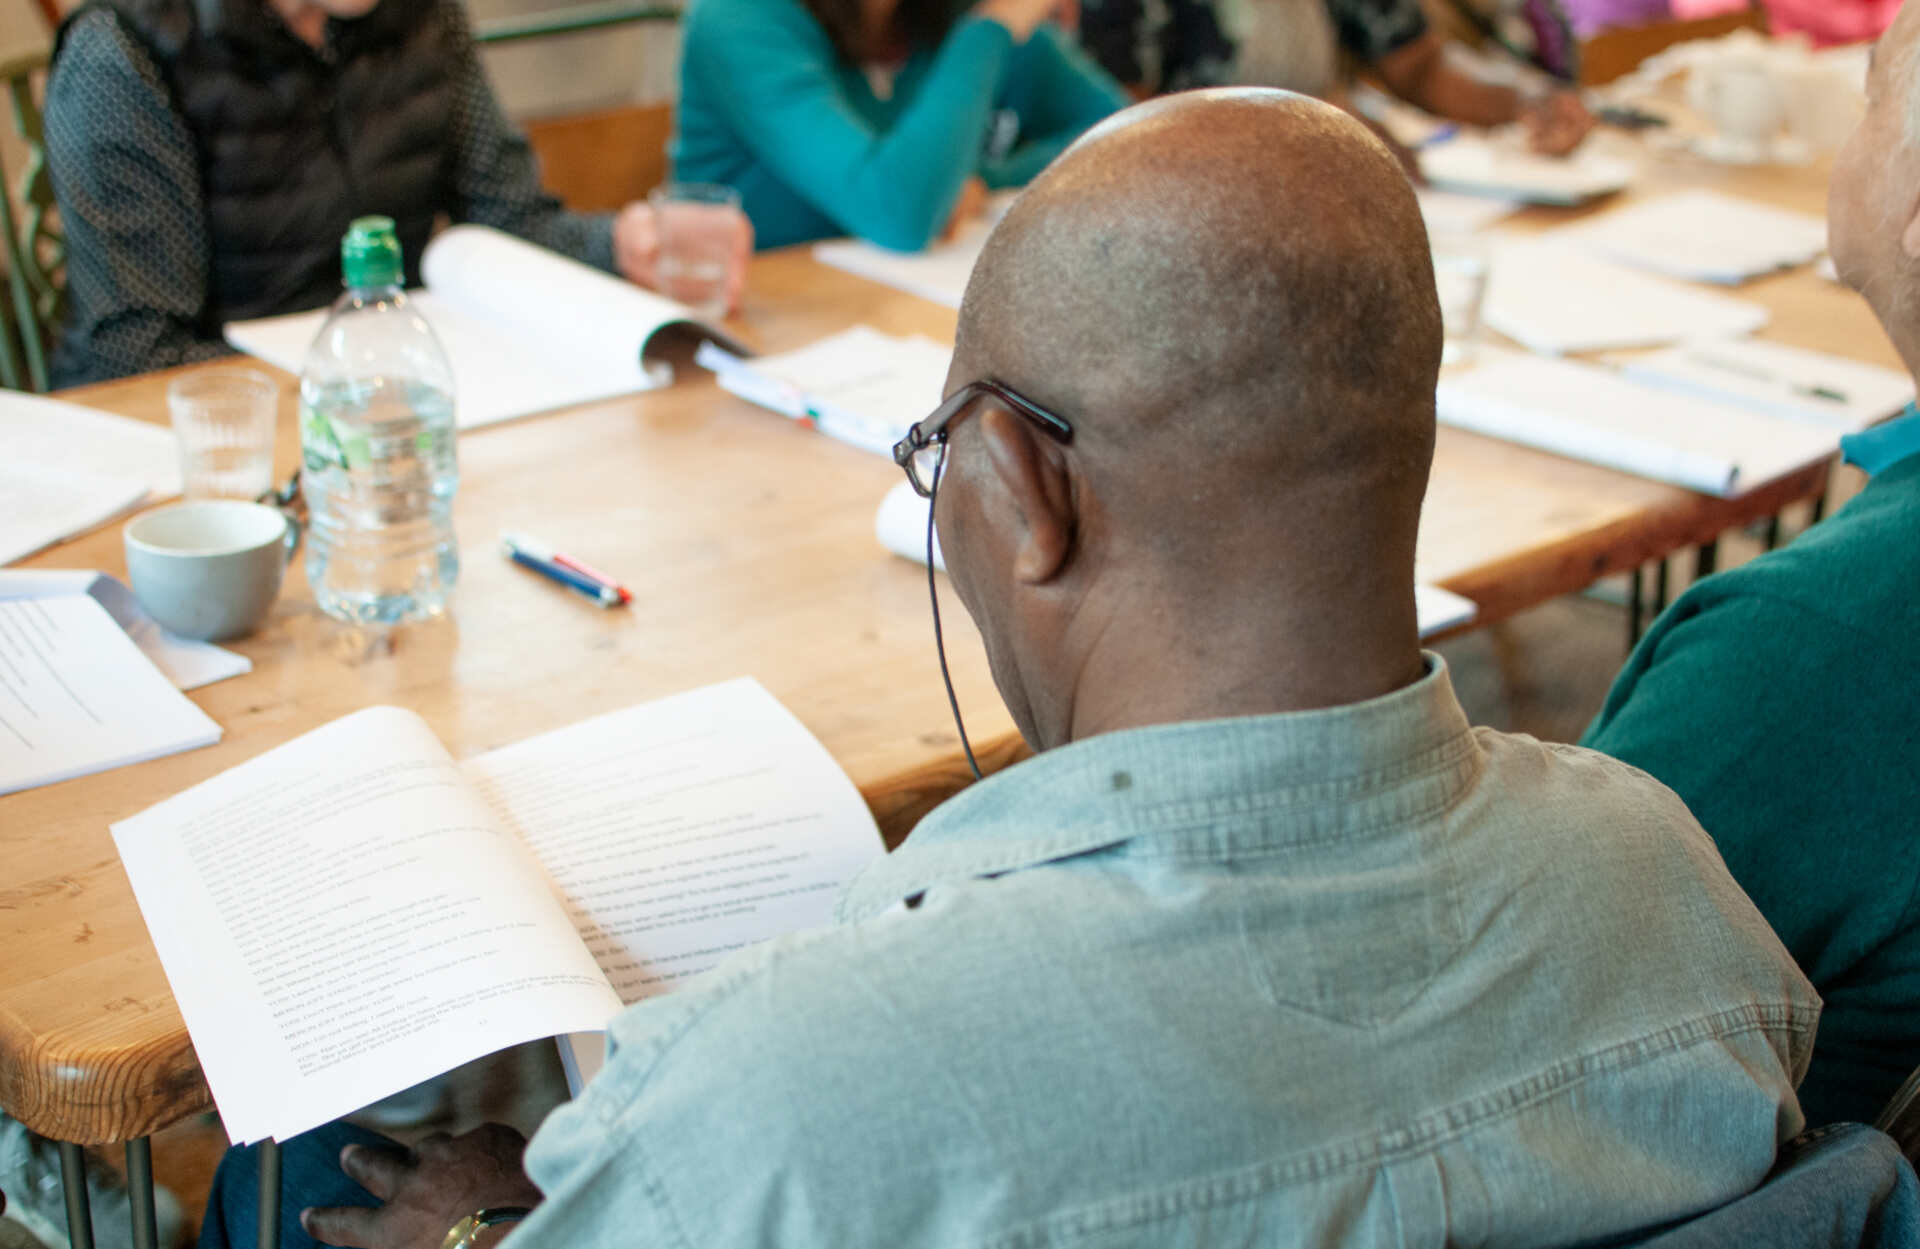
[(77, 696), (1484, 165), (69, 468), (1552, 298), (185, 662), (1810, 386), (1596, 415), (1701, 236), (525, 329), (860, 386)]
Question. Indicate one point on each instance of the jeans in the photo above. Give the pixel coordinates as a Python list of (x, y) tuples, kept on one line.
[(310, 1175)]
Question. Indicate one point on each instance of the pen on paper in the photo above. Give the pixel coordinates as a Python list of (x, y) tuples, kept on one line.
[(1811, 389), (603, 594)]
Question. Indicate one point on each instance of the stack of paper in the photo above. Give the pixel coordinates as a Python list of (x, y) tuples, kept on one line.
[(938, 273), (1701, 236), (186, 663), (1596, 415), (1810, 386), (77, 696), (860, 386), (525, 329), (1475, 164), (1551, 298), (901, 527), (67, 468)]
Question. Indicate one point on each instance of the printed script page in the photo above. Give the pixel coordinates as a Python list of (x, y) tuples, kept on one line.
[(681, 830), (341, 918)]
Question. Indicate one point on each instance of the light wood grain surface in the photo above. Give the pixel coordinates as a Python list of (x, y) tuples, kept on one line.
[(748, 541)]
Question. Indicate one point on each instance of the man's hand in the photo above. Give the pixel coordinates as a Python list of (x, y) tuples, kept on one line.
[(636, 246), (1556, 123), (426, 1190)]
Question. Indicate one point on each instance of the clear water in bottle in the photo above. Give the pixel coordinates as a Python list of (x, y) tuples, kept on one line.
[(377, 446)]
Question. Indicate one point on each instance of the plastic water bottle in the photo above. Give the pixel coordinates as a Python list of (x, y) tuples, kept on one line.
[(376, 441)]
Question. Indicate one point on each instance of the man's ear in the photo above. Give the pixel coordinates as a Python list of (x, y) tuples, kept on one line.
[(1033, 474)]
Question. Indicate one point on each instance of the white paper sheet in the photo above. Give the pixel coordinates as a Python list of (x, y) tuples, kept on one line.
[(901, 527), (526, 330), (939, 273), (1476, 164), (1596, 415), (1700, 236), (1448, 212), (1810, 386), (341, 918), (860, 386), (681, 830), (185, 662), (1553, 299), (67, 468), (76, 696)]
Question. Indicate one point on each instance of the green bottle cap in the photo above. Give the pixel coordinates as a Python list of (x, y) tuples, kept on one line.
[(370, 253)]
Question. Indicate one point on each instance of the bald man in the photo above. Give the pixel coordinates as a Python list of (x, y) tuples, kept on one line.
[(1780, 698), (1266, 946)]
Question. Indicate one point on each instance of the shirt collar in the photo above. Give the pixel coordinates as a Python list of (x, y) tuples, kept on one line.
[(1331, 770), (1876, 449)]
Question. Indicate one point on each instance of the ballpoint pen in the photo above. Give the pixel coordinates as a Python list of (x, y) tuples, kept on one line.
[(601, 593)]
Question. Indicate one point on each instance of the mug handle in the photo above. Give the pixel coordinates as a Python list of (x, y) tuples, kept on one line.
[(292, 506)]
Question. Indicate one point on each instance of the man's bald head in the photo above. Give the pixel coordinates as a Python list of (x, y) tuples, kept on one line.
[(1229, 294), (1244, 269)]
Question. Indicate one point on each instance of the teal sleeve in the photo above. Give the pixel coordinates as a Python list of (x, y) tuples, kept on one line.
[(776, 86), (1063, 92)]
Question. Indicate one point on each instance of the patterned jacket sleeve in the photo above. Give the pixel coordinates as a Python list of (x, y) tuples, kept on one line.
[(1371, 29), (496, 180), (127, 183)]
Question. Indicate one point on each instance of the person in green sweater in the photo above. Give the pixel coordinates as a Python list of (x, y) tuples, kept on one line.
[(885, 119), (1781, 699)]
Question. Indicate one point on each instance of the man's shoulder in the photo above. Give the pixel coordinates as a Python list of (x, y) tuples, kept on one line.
[(157, 28)]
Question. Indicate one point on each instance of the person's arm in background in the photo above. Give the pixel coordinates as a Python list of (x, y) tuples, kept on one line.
[(781, 98), (1061, 92), (1419, 73), (127, 182), (495, 179)]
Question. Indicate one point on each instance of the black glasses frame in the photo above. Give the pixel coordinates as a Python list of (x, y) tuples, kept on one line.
[(931, 430)]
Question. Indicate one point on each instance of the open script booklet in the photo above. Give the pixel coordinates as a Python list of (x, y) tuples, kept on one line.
[(526, 329), (354, 912)]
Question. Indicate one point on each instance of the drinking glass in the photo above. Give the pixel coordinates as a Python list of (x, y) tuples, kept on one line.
[(1460, 268), (224, 419), (698, 224)]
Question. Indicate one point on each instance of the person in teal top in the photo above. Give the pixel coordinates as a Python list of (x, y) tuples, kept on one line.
[(878, 118), (1781, 699)]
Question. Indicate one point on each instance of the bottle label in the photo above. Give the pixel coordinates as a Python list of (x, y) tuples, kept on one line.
[(324, 445)]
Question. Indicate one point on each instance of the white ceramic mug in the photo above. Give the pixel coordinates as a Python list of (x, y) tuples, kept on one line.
[(210, 568), (1745, 98)]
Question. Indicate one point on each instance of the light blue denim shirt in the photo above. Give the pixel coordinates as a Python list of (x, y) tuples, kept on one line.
[(1365, 976)]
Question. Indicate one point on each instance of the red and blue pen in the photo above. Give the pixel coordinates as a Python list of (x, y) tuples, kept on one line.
[(574, 574)]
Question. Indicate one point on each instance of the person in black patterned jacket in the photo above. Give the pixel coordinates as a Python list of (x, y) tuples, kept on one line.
[(207, 155)]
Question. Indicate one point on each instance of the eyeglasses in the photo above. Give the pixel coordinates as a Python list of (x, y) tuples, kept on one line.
[(921, 451), (921, 454)]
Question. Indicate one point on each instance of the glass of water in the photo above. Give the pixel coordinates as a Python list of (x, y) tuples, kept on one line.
[(1460, 267), (224, 420), (699, 229)]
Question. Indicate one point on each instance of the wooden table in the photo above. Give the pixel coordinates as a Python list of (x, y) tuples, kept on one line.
[(749, 543)]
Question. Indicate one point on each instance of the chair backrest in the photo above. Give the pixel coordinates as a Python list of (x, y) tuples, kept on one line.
[(1901, 1118), (1615, 53), (35, 253), (597, 162), (1840, 1187)]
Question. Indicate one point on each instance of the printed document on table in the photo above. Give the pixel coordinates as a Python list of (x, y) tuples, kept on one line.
[(187, 663), (1554, 299), (1596, 415), (1829, 391), (76, 696), (1701, 236), (68, 468), (860, 386), (341, 918), (939, 272), (525, 330), (1476, 164)]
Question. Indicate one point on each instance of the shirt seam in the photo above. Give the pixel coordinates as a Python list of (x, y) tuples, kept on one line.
[(1414, 1140)]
